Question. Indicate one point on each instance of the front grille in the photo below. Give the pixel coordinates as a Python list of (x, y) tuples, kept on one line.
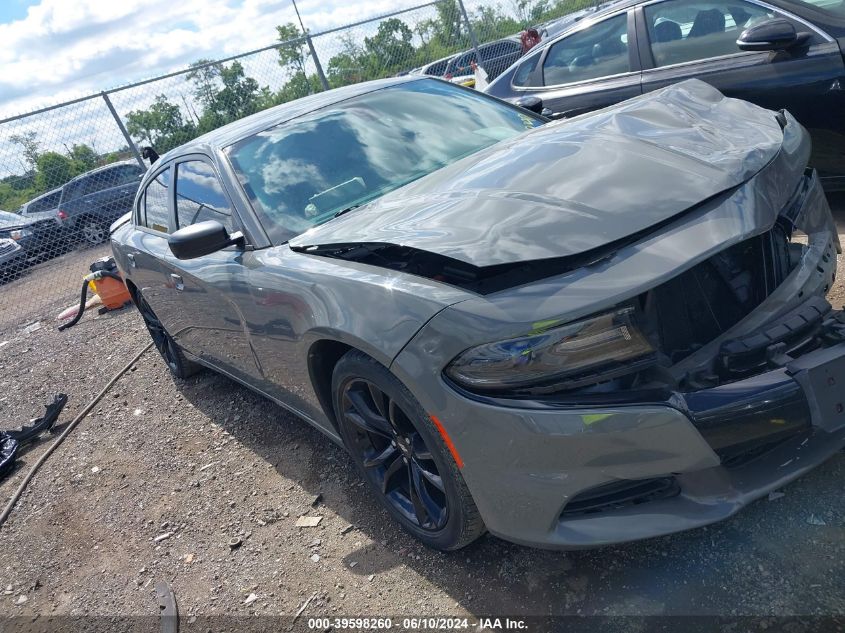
[(620, 494), (704, 302)]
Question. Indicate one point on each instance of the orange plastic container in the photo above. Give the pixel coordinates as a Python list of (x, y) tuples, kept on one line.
[(112, 292)]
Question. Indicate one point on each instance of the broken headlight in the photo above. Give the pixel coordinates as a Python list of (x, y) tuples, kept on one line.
[(588, 350)]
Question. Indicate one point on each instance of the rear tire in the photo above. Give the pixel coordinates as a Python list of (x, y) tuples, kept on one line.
[(94, 232), (401, 455), (170, 351)]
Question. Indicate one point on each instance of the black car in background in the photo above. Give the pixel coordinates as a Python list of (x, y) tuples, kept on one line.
[(38, 234), (495, 57), (779, 54), (92, 201), (12, 259)]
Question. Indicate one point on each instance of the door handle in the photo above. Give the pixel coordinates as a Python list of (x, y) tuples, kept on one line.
[(131, 258), (177, 281)]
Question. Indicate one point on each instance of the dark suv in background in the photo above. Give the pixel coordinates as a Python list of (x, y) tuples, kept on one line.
[(93, 200), (495, 58)]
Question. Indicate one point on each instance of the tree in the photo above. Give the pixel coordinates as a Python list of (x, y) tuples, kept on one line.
[(348, 66), (29, 146), (204, 76), (391, 45), (53, 170), (449, 25), (84, 158), (239, 96), (161, 125), (292, 54)]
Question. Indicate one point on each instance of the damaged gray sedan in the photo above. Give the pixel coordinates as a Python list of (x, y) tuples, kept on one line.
[(569, 334)]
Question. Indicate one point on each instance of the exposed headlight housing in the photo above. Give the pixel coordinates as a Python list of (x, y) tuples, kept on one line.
[(570, 355)]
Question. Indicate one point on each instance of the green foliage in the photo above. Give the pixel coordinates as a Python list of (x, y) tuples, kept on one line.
[(53, 170), (239, 96), (204, 76), (84, 158), (292, 56), (390, 49)]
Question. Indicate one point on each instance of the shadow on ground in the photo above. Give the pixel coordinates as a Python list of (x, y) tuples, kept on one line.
[(767, 560)]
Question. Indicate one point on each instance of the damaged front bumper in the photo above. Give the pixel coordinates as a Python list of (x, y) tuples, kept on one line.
[(751, 409)]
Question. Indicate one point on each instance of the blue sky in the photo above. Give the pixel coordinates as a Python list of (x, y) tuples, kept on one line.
[(14, 9)]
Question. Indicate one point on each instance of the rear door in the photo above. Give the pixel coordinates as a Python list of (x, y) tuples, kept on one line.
[(681, 39), (591, 68)]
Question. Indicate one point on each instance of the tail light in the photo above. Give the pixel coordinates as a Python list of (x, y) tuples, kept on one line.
[(62, 215)]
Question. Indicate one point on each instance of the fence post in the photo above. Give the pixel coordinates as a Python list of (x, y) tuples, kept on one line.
[(471, 33), (128, 138), (316, 59)]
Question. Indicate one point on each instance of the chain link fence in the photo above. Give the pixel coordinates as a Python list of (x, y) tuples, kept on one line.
[(68, 171)]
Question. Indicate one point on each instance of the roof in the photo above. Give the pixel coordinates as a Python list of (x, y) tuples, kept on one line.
[(260, 121), (97, 170)]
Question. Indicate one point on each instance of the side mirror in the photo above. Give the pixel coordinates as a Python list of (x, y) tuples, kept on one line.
[(532, 103), (776, 34), (202, 238)]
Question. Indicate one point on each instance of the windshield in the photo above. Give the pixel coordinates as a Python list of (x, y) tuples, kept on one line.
[(302, 173)]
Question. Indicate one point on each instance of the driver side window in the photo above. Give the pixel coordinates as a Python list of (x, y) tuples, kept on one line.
[(598, 51), (199, 195)]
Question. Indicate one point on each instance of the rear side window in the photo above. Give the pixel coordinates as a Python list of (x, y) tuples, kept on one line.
[(689, 30), (45, 203), (154, 208), (498, 49), (598, 51), (437, 69), (199, 195), (109, 178)]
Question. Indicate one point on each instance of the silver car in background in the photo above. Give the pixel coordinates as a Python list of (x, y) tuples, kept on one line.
[(568, 334)]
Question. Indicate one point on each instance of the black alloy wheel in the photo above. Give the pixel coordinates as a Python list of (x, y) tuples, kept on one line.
[(401, 454), (395, 455)]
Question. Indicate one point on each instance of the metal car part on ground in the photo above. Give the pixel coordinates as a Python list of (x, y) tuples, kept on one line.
[(11, 441)]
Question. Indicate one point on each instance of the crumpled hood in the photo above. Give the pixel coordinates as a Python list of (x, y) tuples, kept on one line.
[(572, 186)]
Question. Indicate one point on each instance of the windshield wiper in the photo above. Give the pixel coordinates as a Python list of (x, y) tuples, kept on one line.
[(346, 210)]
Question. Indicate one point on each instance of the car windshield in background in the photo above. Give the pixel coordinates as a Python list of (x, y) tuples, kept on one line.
[(305, 172)]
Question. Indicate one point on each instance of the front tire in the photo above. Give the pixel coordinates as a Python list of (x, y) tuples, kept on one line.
[(170, 351), (401, 455)]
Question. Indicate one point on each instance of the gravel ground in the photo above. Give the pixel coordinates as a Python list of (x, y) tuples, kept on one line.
[(162, 476)]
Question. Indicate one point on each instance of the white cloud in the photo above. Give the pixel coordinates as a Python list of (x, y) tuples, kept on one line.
[(65, 49)]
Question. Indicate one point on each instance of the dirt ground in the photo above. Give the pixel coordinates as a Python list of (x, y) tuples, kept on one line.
[(162, 476)]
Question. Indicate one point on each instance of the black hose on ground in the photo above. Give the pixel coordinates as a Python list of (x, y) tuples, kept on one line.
[(82, 301)]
